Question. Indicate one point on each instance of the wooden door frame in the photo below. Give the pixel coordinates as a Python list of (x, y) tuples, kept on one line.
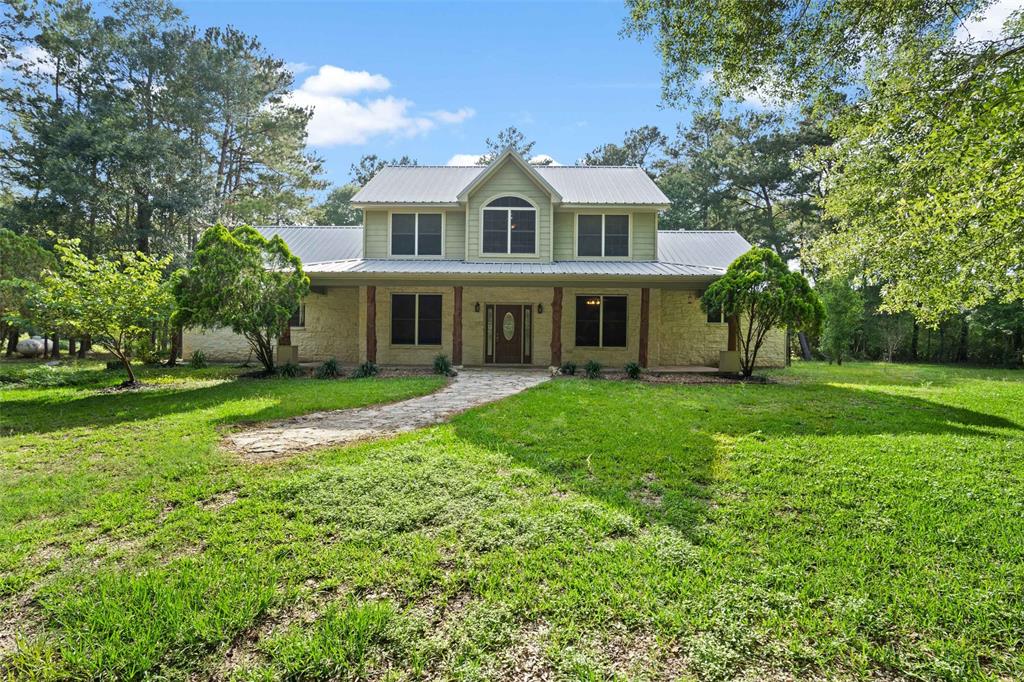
[(525, 321)]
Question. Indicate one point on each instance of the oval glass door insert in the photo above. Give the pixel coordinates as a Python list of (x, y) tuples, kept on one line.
[(508, 326)]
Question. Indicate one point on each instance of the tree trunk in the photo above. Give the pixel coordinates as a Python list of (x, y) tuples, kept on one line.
[(913, 341), (961, 351), (71, 348), (143, 222), (12, 341), (805, 347), (55, 353), (172, 358), (84, 346)]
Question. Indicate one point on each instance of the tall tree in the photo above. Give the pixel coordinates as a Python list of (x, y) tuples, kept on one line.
[(638, 148), (337, 208), (22, 263), (369, 165), (844, 312), (508, 138)]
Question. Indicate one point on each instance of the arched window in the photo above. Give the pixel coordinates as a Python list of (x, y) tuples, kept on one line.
[(510, 226)]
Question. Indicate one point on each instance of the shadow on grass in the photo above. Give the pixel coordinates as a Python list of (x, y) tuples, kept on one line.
[(657, 459)]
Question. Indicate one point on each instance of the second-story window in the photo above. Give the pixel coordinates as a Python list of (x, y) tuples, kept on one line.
[(510, 226), (603, 235), (416, 234)]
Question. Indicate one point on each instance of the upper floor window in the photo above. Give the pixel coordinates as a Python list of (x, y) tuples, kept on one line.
[(416, 234), (602, 235), (510, 226)]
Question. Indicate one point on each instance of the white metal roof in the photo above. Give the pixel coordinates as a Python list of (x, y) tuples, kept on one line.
[(564, 268), (583, 185), (714, 248), (314, 244)]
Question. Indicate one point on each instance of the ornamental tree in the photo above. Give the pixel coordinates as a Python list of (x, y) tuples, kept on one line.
[(22, 262), (116, 300), (763, 294), (241, 280), (844, 313)]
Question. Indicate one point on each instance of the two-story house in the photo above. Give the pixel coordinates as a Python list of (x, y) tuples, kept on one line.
[(507, 264)]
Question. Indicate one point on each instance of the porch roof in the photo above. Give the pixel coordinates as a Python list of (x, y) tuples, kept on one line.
[(567, 268)]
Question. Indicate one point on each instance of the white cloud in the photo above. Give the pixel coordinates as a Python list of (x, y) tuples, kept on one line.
[(545, 159), (298, 67), (334, 80), (32, 55), (464, 160), (988, 25), (459, 116), (340, 117)]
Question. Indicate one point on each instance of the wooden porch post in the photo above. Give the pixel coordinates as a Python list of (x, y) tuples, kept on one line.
[(645, 324), (734, 332), (556, 328), (457, 328), (286, 335), (371, 324)]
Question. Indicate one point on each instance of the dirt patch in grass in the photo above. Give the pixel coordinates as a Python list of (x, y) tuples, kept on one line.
[(526, 660)]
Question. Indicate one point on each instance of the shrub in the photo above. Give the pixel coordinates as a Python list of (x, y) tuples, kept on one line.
[(442, 365), (367, 369), (593, 369), (288, 370), (114, 365), (632, 370), (568, 368), (198, 360), (328, 370)]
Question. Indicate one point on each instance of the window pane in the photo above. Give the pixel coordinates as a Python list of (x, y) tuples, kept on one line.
[(614, 321), (430, 320), (495, 231), (715, 315), (403, 234), (588, 320), (524, 231), (616, 235), (589, 243), (511, 202), (403, 318), (430, 234), (298, 318)]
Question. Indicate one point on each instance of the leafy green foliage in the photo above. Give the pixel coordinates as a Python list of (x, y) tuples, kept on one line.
[(289, 370), (633, 369), (442, 365), (507, 138), (365, 370), (763, 294), (637, 149), (844, 313), (22, 263), (328, 370), (115, 301), (592, 369), (337, 208), (198, 359), (369, 165), (243, 281), (568, 368)]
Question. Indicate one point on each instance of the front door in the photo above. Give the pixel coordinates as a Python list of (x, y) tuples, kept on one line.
[(509, 334)]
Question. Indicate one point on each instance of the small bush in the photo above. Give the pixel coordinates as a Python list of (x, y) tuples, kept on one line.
[(568, 368), (328, 370), (367, 369), (632, 370), (289, 370), (442, 365), (198, 360), (593, 369)]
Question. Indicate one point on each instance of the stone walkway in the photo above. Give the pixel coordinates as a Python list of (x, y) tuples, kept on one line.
[(470, 388)]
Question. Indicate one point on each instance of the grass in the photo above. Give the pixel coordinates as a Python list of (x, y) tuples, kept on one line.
[(859, 522)]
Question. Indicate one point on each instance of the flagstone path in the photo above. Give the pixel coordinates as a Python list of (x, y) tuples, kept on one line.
[(470, 388)]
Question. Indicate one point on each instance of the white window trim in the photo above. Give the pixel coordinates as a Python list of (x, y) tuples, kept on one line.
[(416, 320), (576, 235), (416, 235), (508, 226), (600, 320)]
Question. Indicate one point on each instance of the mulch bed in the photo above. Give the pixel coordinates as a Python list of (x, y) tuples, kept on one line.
[(679, 378)]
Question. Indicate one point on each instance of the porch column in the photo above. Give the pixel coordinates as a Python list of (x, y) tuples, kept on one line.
[(645, 324), (457, 328), (286, 335), (556, 328), (734, 332), (371, 324)]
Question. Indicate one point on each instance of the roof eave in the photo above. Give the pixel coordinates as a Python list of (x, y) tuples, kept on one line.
[(509, 153)]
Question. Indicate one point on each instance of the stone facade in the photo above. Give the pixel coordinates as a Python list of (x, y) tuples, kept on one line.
[(336, 324)]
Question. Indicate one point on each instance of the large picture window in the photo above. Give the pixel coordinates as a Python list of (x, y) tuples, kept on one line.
[(601, 321), (510, 226), (416, 234), (416, 319), (601, 235)]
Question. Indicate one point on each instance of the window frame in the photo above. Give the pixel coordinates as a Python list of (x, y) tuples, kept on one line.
[(508, 224), (301, 312), (416, 234), (722, 319), (416, 320), (600, 320), (604, 235)]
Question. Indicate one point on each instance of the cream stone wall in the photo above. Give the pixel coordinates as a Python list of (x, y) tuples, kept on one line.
[(687, 338), (330, 331)]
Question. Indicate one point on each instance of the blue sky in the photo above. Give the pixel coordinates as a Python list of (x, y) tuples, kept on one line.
[(441, 77)]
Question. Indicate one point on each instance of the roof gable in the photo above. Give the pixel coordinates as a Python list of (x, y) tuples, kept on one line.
[(506, 157)]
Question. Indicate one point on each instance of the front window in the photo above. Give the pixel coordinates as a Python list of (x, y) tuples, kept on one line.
[(298, 318), (715, 316), (416, 234), (602, 235), (601, 321), (416, 319), (510, 226)]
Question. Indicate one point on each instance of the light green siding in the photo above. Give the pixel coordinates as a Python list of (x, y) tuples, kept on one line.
[(509, 179), (565, 228), (645, 245), (375, 234)]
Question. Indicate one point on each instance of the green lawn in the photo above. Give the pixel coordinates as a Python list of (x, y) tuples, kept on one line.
[(855, 522)]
